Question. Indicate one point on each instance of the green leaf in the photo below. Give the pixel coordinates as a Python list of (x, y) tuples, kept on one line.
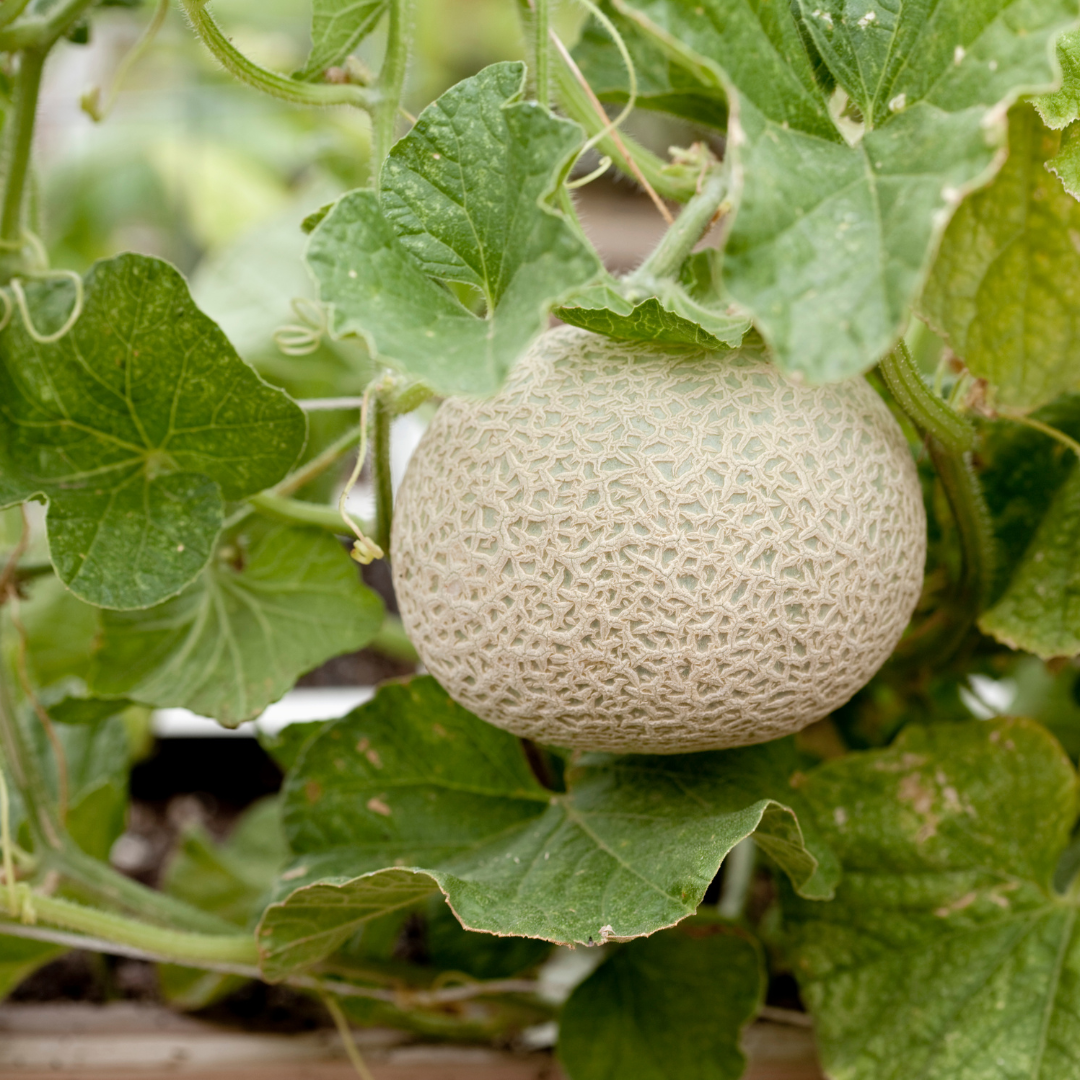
[(1062, 107), (685, 313), (1005, 290), (661, 84), (671, 1005), (837, 220), (337, 27), (413, 781), (1030, 481), (461, 201), (946, 952), (136, 425), (1040, 609), (241, 635)]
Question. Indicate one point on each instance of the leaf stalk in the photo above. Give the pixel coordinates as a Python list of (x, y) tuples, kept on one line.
[(270, 82), (15, 161), (678, 242), (390, 85)]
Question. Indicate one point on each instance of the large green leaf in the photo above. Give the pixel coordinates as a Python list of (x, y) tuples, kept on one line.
[(838, 220), (671, 1005), (136, 426), (461, 201), (240, 636), (337, 27), (413, 781), (1032, 486), (1005, 290), (946, 953), (661, 83)]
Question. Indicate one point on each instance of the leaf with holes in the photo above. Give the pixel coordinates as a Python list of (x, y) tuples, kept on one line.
[(413, 781), (947, 952), (855, 130), (461, 200), (240, 636), (136, 426)]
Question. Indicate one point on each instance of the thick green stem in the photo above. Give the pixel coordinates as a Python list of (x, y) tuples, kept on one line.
[(380, 472), (677, 185), (391, 84), (973, 524), (17, 150), (229, 948), (929, 413), (270, 82), (678, 242), (298, 512), (950, 438)]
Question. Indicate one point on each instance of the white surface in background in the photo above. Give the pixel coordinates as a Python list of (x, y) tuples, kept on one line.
[(296, 707), (405, 433), (988, 697)]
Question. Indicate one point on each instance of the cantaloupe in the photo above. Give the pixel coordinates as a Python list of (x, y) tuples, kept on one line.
[(645, 550)]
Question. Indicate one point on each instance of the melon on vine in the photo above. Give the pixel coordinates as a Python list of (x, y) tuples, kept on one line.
[(639, 549)]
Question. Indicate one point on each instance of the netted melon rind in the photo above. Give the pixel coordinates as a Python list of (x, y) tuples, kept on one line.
[(641, 552)]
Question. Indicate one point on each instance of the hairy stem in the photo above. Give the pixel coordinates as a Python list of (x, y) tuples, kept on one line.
[(270, 82), (928, 412), (972, 518), (227, 948), (949, 438), (380, 472), (689, 227), (15, 161), (391, 84)]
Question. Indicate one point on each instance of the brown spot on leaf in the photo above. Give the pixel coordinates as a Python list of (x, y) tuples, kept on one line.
[(313, 791), (377, 806)]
